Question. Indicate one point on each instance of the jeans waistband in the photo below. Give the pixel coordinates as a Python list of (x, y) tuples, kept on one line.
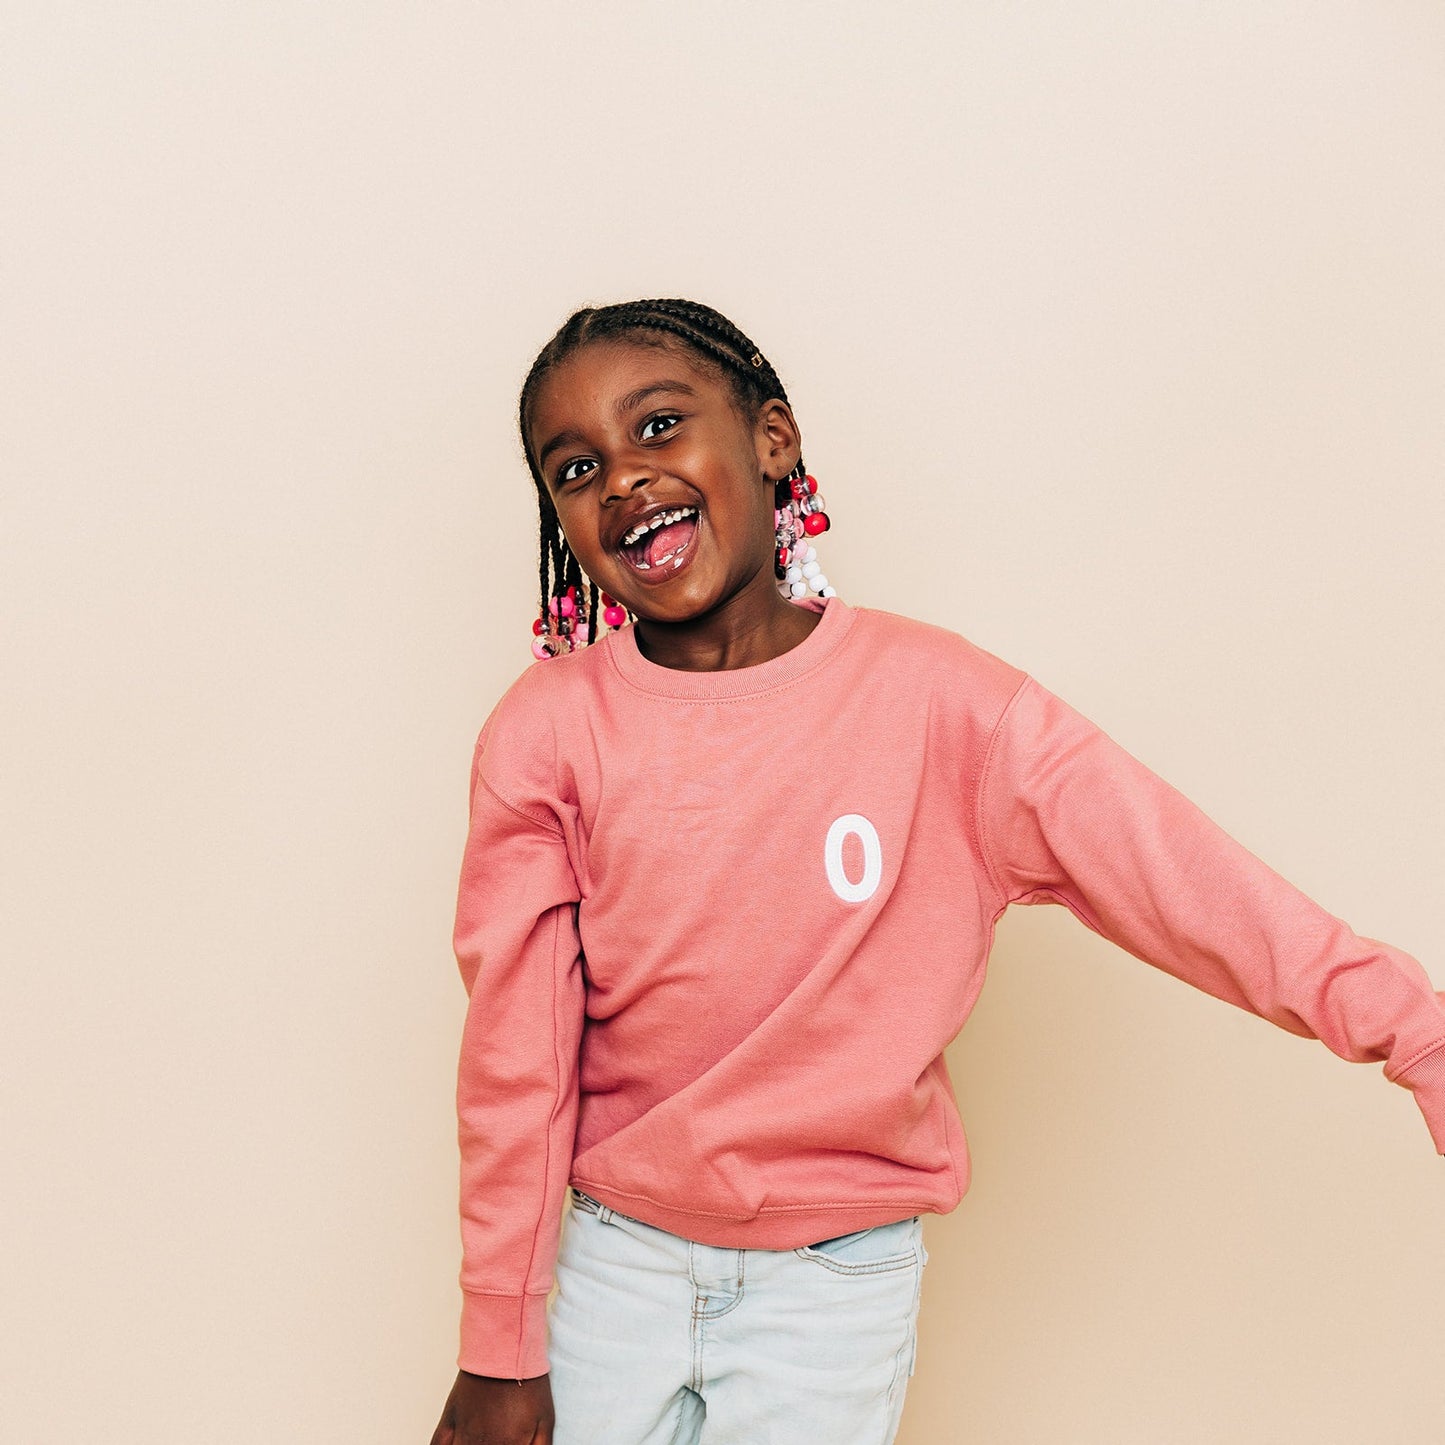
[(588, 1205)]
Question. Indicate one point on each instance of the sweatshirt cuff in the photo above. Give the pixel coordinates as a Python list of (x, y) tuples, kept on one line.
[(1426, 1080), (504, 1335)]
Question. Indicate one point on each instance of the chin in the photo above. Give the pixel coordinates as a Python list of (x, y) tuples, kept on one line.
[(675, 610)]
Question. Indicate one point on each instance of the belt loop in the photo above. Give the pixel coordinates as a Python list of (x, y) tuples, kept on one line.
[(591, 1205)]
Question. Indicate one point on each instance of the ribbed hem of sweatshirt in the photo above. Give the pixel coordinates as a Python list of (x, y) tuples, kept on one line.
[(833, 625), (504, 1335), (1426, 1080)]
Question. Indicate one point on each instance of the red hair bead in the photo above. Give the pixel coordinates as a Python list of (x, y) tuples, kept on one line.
[(815, 522)]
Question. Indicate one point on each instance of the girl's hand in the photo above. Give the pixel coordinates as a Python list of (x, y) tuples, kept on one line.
[(483, 1411)]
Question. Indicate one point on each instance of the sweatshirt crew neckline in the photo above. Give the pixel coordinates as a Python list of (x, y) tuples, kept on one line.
[(835, 620)]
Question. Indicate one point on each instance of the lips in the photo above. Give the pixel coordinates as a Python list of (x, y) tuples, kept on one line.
[(656, 541), (662, 550)]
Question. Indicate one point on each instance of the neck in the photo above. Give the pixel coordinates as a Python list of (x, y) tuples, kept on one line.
[(742, 632)]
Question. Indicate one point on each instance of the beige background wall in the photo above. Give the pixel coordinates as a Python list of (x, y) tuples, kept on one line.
[(1116, 334)]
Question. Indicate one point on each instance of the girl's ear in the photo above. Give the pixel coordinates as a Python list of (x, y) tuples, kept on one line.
[(779, 443)]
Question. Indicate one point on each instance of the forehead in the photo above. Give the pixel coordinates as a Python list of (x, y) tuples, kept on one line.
[(599, 376)]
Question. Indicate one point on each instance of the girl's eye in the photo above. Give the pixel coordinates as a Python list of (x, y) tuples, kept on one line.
[(665, 422), (573, 471)]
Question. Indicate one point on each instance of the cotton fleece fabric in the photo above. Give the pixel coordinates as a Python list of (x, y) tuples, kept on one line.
[(718, 927)]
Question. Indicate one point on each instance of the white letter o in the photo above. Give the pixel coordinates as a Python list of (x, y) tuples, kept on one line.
[(866, 886)]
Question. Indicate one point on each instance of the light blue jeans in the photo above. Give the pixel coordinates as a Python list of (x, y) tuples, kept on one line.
[(656, 1340)]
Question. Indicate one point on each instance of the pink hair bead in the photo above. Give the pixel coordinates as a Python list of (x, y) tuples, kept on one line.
[(614, 616)]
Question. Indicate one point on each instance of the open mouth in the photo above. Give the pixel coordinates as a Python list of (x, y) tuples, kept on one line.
[(660, 544)]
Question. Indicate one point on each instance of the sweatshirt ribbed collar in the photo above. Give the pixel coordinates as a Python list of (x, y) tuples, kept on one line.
[(820, 644)]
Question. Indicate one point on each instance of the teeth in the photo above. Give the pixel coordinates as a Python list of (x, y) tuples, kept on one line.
[(661, 519)]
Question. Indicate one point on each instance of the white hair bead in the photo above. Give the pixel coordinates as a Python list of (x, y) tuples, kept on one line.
[(798, 521)]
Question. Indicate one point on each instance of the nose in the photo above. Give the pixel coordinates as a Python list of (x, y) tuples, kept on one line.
[(626, 475)]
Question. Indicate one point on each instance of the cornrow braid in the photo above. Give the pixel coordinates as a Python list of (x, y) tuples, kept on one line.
[(709, 335)]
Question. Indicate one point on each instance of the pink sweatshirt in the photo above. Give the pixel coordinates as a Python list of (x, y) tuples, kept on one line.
[(718, 927)]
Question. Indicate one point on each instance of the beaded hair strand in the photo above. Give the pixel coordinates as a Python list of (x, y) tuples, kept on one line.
[(710, 336)]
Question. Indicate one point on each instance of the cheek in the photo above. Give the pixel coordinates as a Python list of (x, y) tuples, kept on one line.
[(579, 525)]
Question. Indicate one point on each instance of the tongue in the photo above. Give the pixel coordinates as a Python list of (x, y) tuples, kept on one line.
[(668, 539)]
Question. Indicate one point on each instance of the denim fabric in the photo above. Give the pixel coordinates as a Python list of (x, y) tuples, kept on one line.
[(656, 1340)]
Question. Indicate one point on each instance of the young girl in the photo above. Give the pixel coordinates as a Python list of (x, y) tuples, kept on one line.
[(736, 854)]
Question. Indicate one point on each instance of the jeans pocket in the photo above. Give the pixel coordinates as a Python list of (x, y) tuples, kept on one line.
[(877, 1250)]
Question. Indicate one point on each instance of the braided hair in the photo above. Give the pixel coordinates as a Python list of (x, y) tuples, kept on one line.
[(711, 338)]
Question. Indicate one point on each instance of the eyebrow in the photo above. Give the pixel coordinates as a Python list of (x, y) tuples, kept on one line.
[(636, 398), (625, 404)]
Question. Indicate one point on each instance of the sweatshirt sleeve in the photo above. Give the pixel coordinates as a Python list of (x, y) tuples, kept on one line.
[(1067, 816), (517, 945)]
